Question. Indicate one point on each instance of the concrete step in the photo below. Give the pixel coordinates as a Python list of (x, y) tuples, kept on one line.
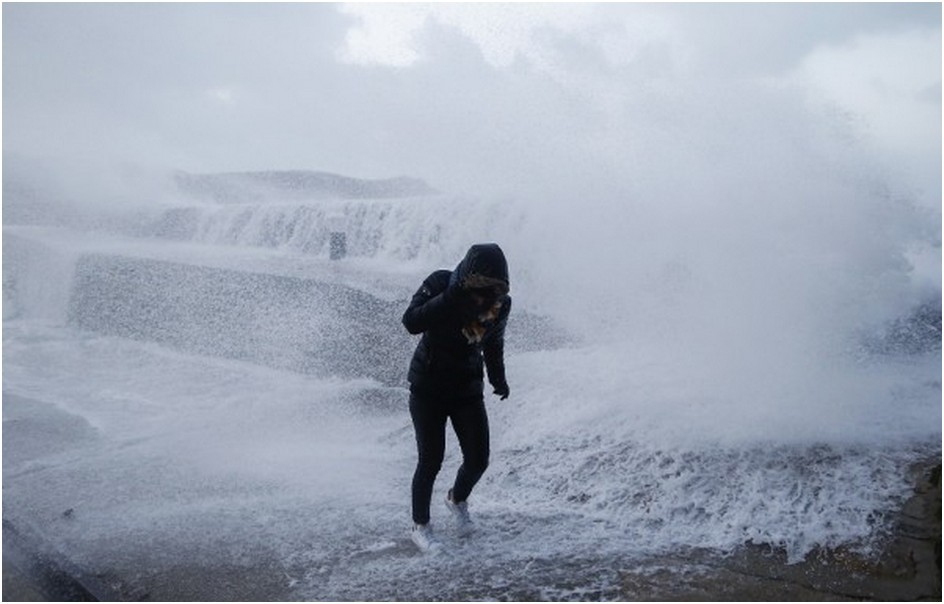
[(283, 311)]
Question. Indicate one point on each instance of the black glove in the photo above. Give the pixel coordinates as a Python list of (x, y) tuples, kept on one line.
[(502, 390), (462, 304)]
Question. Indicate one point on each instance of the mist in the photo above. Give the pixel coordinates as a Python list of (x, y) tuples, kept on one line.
[(722, 224), (673, 144)]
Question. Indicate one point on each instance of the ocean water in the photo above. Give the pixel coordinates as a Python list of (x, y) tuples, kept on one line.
[(683, 379)]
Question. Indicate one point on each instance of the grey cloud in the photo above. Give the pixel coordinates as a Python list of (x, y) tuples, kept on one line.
[(770, 38), (258, 86), (931, 94)]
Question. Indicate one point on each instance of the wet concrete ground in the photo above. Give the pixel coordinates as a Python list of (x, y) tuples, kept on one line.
[(547, 580), (387, 567)]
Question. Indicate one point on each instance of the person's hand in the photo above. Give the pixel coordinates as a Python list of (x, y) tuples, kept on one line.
[(461, 303), (502, 390)]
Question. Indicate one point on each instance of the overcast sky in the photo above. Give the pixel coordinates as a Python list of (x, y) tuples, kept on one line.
[(455, 92)]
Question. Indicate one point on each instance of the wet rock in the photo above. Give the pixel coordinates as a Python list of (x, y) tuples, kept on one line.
[(908, 567), (914, 554)]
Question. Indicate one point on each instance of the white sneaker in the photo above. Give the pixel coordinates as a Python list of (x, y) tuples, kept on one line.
[(422, 535), (460, 511)]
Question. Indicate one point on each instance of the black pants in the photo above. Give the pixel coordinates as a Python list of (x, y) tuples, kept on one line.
[(429, 413)]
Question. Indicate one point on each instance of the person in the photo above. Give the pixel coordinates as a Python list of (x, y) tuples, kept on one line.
[(461, 315)]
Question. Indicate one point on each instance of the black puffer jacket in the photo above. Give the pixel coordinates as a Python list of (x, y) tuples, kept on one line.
[(447, 360)]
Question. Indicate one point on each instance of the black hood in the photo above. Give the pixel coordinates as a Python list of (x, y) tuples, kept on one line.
[(484, 265)]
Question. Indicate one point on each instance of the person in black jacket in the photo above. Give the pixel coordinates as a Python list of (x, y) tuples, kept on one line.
[(462, 315)]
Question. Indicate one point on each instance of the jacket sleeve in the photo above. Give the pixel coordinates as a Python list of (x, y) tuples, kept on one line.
[(493, 348), (433, 304)]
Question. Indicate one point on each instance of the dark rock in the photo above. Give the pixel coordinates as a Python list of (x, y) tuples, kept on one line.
[(917, 332)]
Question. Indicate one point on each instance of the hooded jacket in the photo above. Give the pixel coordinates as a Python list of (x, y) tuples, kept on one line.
[(457, 337)]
